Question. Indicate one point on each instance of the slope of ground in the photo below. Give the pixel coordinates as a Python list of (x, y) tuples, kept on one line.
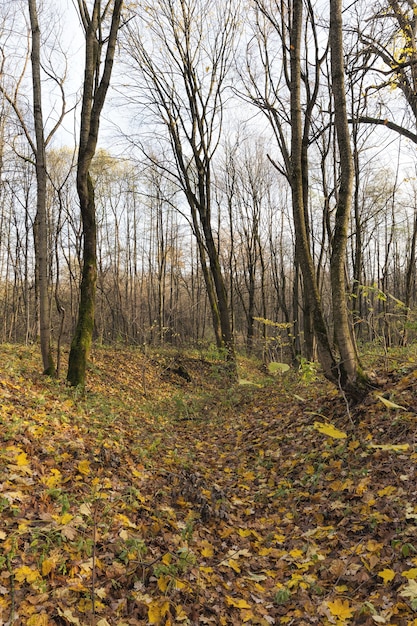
[(165, 495)]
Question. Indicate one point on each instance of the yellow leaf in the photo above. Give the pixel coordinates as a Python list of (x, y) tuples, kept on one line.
[(238, 603), (389, 404), (234, 565), (329, 430), (163, 582), (410, 574), (340, 608), (395, 447), (22, 459), (85, 509), (180, 584), (410, 591), (26, 573), (374, 546), (53, 479), (156, 611), (23, 526), (353, 445), (40, 619), (48, 565), (207, 550), (125, 521), (84, 467), (85, 605), (67, 614), (387, 575), (387, 491), (166, 559), (180, 614), (296, 553), (65, 519)]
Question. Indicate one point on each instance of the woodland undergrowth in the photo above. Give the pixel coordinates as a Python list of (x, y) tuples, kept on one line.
[(165, 494)]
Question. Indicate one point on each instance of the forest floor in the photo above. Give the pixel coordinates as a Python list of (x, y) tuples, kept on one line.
[(153, 499)]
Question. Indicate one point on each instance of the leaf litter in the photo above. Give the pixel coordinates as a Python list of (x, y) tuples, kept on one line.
[(153, 499)]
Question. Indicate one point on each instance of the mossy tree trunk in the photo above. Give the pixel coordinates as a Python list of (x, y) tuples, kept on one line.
[(81, 342), (96, 83)]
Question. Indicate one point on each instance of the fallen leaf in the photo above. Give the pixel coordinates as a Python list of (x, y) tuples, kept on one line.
[(26, 573), (387, 575), (389, 404), (84, 467), (410, 591), (157, 610), (67, 614), (238, 603), (340, 608), (329, 430), (396, 447), (40, 619)]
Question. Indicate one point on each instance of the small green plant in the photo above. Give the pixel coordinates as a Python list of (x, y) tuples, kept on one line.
[(187, 531), (133, 549), (184, 408), (61, 497), (307, 370), (44, 540), (282, 596), (181, 562)]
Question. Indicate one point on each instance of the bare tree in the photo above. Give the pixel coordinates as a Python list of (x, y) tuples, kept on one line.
[(97, 74), (41, 222), (295, 127), (351, 376), (38, 145), (274, 79), (184, 61)]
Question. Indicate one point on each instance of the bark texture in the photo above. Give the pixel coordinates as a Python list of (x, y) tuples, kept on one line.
[(94, 94), (41, 218)]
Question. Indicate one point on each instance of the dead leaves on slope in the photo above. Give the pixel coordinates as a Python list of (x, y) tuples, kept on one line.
[(275, 512)]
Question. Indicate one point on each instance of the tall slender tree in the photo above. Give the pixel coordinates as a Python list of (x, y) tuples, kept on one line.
[(41, 219), (12, 88), (100, 51), (183, 52), (351, 375)]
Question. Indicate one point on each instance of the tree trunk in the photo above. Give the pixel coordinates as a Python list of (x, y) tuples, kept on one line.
[(303, 253), (81, 342), (94, 94), (221, 292), (350, 372), (41, 221)]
